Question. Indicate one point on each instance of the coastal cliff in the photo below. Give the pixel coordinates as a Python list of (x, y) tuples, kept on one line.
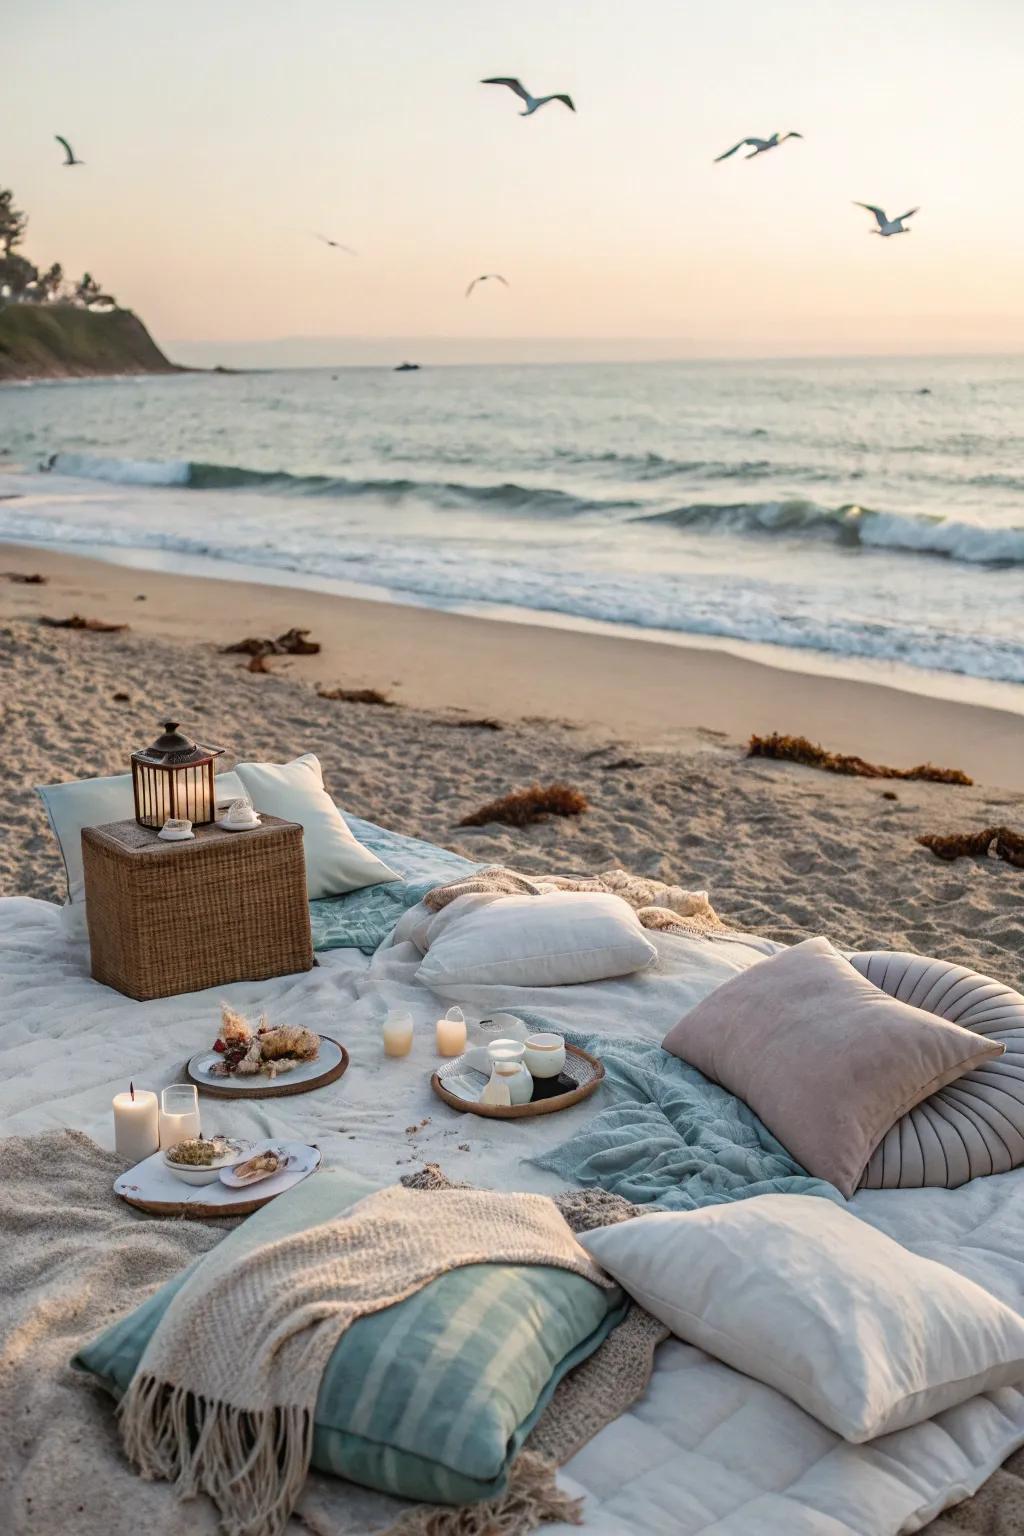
[(60, 341)]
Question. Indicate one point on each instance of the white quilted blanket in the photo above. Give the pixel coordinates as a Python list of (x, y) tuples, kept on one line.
[(707, 1452)]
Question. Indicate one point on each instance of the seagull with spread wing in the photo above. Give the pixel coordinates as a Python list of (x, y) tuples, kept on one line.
[(336, 245), (69, 152), (485, 277), (887, 226), (759, 146), (532, 102)]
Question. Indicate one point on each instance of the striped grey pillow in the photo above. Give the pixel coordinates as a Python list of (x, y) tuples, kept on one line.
[(975, 1125)]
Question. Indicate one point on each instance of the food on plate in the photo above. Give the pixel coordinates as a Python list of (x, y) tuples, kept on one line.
[(268, 1050), (198, 1151), (262, 1165)]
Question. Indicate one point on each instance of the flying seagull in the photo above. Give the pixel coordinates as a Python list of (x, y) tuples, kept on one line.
[(485, 277), (71, 159), (887, 226), (532, 102), (759, 145), (336, 245)]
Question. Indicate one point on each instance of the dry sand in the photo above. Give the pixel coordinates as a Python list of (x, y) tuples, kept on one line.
[(651, 733)]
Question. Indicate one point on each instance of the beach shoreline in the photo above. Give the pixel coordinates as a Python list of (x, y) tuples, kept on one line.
[(656, 694)]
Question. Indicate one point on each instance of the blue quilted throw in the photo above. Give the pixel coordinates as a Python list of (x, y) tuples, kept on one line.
[(364, 919), (671, 1138)]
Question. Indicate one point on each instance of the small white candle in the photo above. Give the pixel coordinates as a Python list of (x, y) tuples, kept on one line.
[(397, 1032), (136, 1124), (450, 1033), (179, 1114)]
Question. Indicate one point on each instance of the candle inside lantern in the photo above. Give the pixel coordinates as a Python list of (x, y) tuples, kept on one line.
[(179, 1114), (450, 1033), (136, 1124), (397, 1034)]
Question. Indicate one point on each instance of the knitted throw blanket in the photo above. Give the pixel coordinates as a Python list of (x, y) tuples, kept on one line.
[(223, 1400), (668, 908)]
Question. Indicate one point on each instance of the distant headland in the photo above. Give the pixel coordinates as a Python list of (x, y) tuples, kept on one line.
[(54, 328)]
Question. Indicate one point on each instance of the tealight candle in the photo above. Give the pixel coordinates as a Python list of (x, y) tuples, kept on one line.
[(450, 1033), (136, 1124), (397, 1033), (179, 1114)]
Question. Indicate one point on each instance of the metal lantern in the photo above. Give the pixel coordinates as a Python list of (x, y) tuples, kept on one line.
[(174, 777)]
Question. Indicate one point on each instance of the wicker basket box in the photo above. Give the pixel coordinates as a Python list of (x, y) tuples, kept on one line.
[(176, 917)]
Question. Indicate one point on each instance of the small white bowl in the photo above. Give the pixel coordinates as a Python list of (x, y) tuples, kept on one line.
[(544, 1055), (506, 1050), (188, 1173)]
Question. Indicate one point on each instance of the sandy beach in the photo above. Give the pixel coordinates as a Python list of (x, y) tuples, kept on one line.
[(652, 734)]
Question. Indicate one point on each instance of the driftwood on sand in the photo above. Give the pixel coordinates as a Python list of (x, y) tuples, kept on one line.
[(1001, 842), (797, 749), (27, 579), (524, 806)]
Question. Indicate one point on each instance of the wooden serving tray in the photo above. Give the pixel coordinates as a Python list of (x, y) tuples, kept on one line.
[(579, 1064), (150, 1186), (274, 1088)]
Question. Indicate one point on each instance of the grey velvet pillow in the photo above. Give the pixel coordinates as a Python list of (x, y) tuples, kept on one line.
[(824, 1058)]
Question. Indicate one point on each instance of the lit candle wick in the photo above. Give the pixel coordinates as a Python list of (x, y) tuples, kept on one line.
[(131, 1090)]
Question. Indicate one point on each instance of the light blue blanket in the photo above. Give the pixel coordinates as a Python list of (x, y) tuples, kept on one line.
[(364, 919), (671, 1138)]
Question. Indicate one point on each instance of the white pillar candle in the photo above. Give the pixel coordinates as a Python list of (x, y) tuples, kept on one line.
[(397, 1033), (136, 1124), (179, 1114), (450, 1033)]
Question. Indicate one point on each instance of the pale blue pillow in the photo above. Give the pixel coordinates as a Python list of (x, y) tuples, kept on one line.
[(430, 1399)]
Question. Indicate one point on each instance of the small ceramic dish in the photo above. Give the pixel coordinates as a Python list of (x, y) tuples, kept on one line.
[(207, 1173)]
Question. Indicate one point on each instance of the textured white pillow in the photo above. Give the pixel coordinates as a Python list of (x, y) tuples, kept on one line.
[(335, 861), (798, 1293), (93, 803), (533, 941)]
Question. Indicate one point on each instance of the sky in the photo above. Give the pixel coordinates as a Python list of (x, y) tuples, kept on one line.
[(219, 137)]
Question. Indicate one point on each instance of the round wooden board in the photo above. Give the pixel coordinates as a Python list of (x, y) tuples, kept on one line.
[(586, 1063), (275, 1089)]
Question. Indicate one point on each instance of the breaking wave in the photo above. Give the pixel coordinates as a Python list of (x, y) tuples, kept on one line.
[(851, 525)]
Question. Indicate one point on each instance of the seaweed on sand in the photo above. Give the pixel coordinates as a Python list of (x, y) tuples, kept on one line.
[(292, 643), (523, 807), (76, 621), (357, 696), (1002, 841), (797, 749)]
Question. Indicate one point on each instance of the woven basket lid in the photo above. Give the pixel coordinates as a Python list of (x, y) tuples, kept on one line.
[(175, 750)]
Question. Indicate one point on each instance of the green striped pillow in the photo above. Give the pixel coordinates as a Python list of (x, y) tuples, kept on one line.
[(430, 1399)]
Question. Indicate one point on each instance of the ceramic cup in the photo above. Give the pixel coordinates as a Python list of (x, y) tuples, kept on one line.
[(506, 1050), (544, 1055)]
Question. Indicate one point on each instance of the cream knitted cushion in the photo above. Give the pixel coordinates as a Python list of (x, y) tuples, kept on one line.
[(974, 1125)]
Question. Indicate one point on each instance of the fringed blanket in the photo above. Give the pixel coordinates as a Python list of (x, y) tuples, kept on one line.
[(668, 908), (73, 1257), (224, 1397)]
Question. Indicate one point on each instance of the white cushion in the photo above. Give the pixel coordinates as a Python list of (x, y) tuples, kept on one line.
[(94, 803), (335, 861), (532, 941), (798, 1293)]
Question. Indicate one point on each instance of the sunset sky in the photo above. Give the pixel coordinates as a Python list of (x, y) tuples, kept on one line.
[(218, 137)]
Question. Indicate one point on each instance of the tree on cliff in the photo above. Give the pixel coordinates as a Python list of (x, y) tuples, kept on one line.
[(13, 222)]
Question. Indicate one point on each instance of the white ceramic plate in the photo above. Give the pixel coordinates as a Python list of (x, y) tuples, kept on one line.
[(200, 1064)]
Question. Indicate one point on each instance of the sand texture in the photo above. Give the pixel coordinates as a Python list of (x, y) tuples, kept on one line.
[(784, 850)]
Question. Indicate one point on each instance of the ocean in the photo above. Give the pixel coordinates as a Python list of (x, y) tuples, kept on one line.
[(852, 515)]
